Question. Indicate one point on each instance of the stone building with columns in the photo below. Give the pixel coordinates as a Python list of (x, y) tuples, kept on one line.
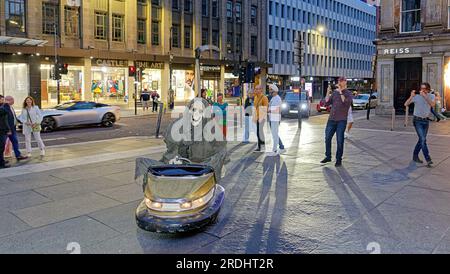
[(413, 46), (100, 39)]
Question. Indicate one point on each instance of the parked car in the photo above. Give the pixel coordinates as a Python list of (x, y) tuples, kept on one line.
[(361, 101), (78, 113), (321, 106), (291, 103)]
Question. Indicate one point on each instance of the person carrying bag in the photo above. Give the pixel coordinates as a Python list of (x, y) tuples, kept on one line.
[(31, 118)]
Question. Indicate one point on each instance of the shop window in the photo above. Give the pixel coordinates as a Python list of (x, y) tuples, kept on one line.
[(117, 28), (15, 17), (71, 21), (188, 37), (410, 16), (14, 81), (50, 18), (100, 25), (141, 31)]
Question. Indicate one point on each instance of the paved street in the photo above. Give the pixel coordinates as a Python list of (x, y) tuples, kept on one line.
[(85, 193)]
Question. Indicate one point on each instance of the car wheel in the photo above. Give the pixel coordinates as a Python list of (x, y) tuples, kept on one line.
[(48, 124), (108, 120)]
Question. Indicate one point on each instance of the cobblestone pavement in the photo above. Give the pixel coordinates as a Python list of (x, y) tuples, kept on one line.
[(85, 193)]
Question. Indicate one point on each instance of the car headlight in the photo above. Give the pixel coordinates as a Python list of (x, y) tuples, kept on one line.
[(284, 106), (177, 207), (304, 106)]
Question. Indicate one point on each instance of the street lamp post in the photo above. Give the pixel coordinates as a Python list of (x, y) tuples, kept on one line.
[(198, 54)]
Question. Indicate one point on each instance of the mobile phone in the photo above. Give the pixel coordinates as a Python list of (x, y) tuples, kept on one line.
[(417, 92)]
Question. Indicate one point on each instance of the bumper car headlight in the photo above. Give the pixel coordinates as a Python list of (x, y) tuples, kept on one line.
[(179, 207), (284, 106)]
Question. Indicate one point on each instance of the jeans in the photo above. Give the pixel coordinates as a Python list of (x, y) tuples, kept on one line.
[(421, 127), (3, 139), (15, 143), (155, 106), (247, 129), (338, 128), (260, 133)]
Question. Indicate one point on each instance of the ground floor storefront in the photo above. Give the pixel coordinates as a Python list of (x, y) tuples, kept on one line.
[(108, 80), (404, 64)]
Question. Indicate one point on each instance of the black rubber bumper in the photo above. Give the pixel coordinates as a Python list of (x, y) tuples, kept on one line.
[(146, 221)]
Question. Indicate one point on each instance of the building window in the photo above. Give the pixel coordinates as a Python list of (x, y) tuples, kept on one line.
[(215, 38), (238, 43), (449, 14), (205, 8), (229, 10), (71, 21), (410, 16), (205, 37), (117, 28), (238, 10), (254, 15), (215, 9), (176, 5), (49, 18), (100, 25), (253, 45), (141, 31), (229, 42), (188, 37), (270, 56), (15, 16), (188, 6), (155, 33), (176, 36)]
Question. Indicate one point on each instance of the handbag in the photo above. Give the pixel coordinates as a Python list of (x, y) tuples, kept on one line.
[(34, 127)]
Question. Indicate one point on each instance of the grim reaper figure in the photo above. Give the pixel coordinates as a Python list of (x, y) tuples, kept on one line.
[(181, 190), (194, 137)]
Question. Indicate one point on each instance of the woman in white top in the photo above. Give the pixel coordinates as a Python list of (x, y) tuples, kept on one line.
[(31, 118)]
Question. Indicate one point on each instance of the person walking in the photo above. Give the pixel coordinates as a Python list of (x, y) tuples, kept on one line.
[(423, 102), (340, 101), (275, 119), (145, 100), (12, 121), (31, 119), (259, 117), (438, 107), (433, 110), (220, 111), (4, 132), (155, 99), (350, 122), (248, 109)]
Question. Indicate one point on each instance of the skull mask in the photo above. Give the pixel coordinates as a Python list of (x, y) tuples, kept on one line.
[(196, 112)]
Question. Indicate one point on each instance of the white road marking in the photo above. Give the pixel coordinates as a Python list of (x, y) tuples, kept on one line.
[(85, 160)]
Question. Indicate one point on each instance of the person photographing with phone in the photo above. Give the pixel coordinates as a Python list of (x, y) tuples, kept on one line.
[(340, 99), (423, 102)]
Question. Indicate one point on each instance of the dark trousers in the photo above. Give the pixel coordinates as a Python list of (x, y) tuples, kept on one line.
[(421, 127), (260, 133), (338, 128), (155, 106), (15, 143), (3, 139)]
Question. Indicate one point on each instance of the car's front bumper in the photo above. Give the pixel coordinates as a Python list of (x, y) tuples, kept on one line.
[(147, 221)]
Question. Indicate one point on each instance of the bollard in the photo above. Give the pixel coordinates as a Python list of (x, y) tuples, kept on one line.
[(406, 116), (160, 114), (393, 120)]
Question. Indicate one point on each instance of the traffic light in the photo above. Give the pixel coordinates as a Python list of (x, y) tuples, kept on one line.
[(250, 73), (60, 69), (299, 49), (63, 69), (242, 74), (132, 71)]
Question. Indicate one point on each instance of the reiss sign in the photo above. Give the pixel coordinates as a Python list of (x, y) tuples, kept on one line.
[(396, 51)]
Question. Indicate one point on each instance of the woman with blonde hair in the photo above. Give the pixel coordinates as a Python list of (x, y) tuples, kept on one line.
[(31, 118)]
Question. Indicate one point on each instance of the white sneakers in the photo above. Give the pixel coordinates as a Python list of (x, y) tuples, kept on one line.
[(276, 153), (347, 135), (42, 153)]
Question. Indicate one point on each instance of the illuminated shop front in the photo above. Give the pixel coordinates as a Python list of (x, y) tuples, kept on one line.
[(183, 82), (71, 86), (232, 86), (110, 83), (14, 81)]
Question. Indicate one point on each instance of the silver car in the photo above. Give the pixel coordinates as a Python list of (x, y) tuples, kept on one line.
[(78, 113), (361, 101)]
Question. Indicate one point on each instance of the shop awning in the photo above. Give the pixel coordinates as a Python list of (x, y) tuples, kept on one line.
[(19, 41)]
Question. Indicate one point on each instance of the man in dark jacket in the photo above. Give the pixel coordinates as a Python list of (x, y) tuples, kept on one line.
[(12, 122), (4, 131)]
